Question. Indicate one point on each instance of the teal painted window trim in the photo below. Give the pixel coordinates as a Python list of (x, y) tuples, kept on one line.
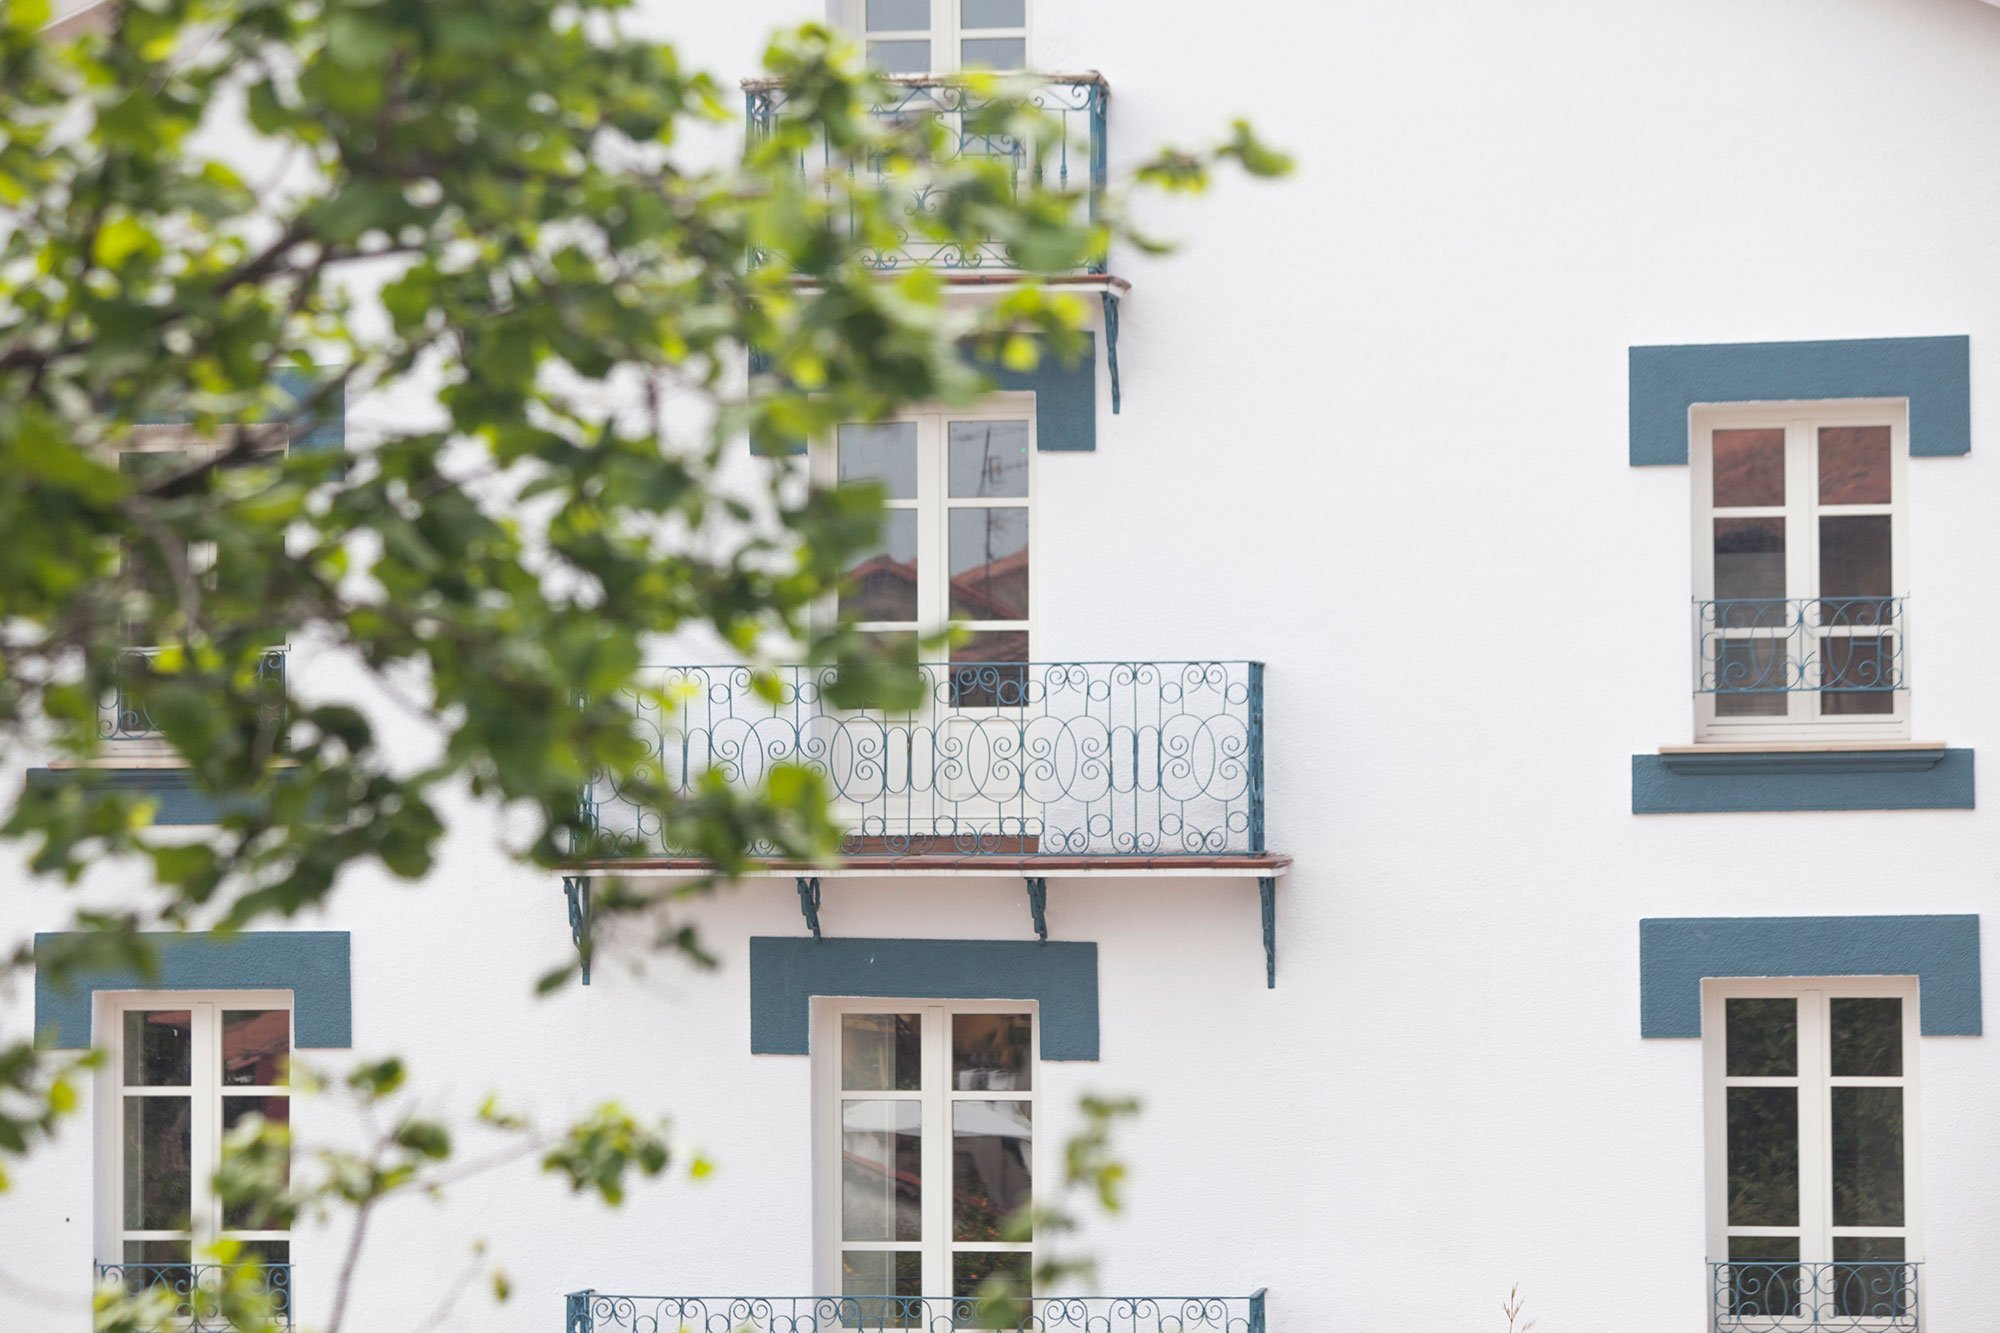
[(786, 972), (1942, 952), (1934, 374), (1834, 780), (325, 428), (177, 802), (312, 964)]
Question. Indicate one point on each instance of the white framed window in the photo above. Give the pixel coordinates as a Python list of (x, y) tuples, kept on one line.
[(1800, 541), (925, 1147), (182, 1069), (938, 36), (1814, 1216)]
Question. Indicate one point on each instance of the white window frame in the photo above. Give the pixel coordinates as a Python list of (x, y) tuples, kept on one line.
[(937, 1095), (1802, 721), (205, 1092), (944, 33), (1816, 1083)]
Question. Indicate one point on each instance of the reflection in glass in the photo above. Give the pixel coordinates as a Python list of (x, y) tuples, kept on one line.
[(990, 1052), (1873, 1283), (988, 459), (159, 1044), (1761, 1281), (971, 1269), (157, 1164), (993, 13), (1854, 465), (881, 1175), (1749, 468), (989, 564), (1854, 556), (881, 1052), (1867, 1157), (250, 1216), (1749, 557), (1866, 664), (898, 15), (883, 582), (1867, 1036), (255, 1045), (886, 453), (1763, 1156), (1762, 1038), (913, 57), (895, 1275), (991, 1172), (987, 670), (1751, 676), (993, 53)]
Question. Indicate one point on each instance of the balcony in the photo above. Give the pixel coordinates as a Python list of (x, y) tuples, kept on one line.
[(1787, 1296), (599, 1312), (191, 1293), (1751, 652), (126, 725)]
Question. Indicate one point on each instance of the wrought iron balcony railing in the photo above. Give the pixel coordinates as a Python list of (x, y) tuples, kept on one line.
[(598, 1312), (122, 714), (193, 1288), (1016, 759), (1072, 159), (1773, 645), (1788, 1296)]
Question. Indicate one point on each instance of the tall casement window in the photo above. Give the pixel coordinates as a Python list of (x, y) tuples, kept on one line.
[(927, 1148), (939, 36), (1812, 1148), (1801, 526), (184, 1069)]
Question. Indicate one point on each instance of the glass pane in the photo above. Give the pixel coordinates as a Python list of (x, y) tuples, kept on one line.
[(900, 57), (1854, 556), (990, 1154), (247, 1216), (1763, 1157), (1854, 465), (972, 1269), (1867, 1157), (1751, 676), (881, 1170), (157, 1145), (989, 564), (884, 581), (993, 13), (881, 1052), (158, 1046), (989, 458), (255, 1046), (1761, 1281), (158, 1265), (1866, 665), (1867, 1037), (993, 53), (991, 1052), (1763, 1038), (1749, 558), (980, 677), (885, 454), (1749, 468), (897, 1275), (1875, 1283), (898, 15)]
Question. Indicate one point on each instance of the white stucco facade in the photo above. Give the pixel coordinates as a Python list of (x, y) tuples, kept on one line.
[(1374, 435)]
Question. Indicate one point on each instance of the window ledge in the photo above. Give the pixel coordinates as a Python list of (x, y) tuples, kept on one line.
[(1855, 776), (1804, 757)]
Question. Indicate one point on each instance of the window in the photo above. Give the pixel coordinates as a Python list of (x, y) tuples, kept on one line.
[(940, 36), (184, 1069), (927, 1147), (1812, 1189), (1800, 533)]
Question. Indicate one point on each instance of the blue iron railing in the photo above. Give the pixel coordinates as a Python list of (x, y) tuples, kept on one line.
[(1057, 759), (1771, 645), (1072, 158), (122, 715), (1788, 1296), (193, 1287), (599, 1312)]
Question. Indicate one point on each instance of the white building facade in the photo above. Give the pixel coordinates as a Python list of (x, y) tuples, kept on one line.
[(1471, 716)]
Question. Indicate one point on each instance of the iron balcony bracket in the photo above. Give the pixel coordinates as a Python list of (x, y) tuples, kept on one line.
[(1038, 906), (1111, 345), (809, 903), (1267, 899), (576, 888)]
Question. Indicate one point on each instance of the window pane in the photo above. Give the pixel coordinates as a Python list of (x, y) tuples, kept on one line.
[(1854, 465), (993, 13), (981, 674), (971, 1269), (884, 581), (1854, 556), (993, 53), (881, 1052), (248, 1216), (1867, 1157), (990, 1052), (255, 1046), (1867, 1037), (158, 1046), (1761, 1282), (885, 454), (898, 15), (1867, 665), (1876, 1284), (1749, 557), (881, 1170), (1751, 676), (1762, 1038), (989, 458), (884, 1273), (1763, 1157), (1749, 468), (989, 564), (990, 1152), (900, 57), (157, 1144)]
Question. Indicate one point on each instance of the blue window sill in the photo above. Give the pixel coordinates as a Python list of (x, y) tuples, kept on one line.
[(176, 801), (1779, 780)]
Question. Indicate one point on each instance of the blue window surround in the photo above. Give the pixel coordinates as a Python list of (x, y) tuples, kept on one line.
[(312, 964), (786, 972), (1813, 780), (1934, 374), (1942, 952)]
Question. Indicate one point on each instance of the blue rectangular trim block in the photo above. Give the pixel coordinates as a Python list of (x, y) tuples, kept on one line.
[(1935, 374), (786, 972), (312, 964), (1839, 780), (1942, 952), (176, 800)]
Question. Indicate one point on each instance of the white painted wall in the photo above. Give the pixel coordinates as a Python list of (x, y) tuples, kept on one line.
[(1374, 434)]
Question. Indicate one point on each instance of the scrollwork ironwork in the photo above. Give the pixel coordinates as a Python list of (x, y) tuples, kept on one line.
[(598, 1312), (1775, 645), (1790, 1296), (194, 1290)]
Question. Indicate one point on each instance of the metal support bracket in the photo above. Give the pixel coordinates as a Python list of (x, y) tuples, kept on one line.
[(1038, 907), (1267, 900), (1111, 346), (576, 888), (809, 903)]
